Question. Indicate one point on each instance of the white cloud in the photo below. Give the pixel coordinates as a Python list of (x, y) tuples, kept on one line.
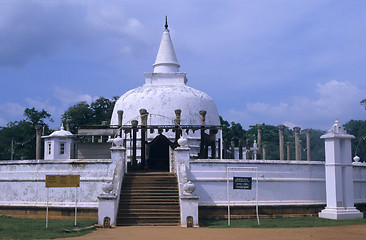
[(10, 112), (11, 109), (35, 28), (333, 100), (68, 97)]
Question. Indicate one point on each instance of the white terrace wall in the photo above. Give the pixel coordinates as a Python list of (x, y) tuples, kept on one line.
[(22, 182), (359, 182), (279, 182)]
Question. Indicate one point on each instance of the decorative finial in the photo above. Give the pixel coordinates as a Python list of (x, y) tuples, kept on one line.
[(166, 22)]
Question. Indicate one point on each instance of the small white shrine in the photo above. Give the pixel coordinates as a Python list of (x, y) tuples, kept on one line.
[(58, 145)]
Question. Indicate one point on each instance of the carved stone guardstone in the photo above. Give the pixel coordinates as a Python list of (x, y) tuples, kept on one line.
[(339, 175)]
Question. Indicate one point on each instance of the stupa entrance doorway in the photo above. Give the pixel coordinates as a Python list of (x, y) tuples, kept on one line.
[(158, 153)]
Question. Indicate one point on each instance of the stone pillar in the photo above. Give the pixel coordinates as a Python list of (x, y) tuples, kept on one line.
[(259, 138), (264, 151), (288, 150), (308, 156), (339, 175), (247, 148), (68, 125), (143, 114), (240, 149), (281, 127), (202, 143), (38, 142), (134, 142), (232, 148), (213, 133), (177, 124), (224, 149), (120, 117), (297, 143)]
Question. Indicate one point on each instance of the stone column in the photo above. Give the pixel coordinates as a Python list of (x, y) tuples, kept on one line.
[(177, 124), (213, 133), (259, 138), (68, 125), (120, 117), (264, 151), (202, 143), (38, 142), (288, 150), (297, 143), (247, 147), (134, 142), (281, 127), (143, 114), (308, 156), (240, 149), (232, 148), (339, 175)]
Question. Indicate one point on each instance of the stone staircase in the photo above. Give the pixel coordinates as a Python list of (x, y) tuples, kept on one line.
[(149, 199)]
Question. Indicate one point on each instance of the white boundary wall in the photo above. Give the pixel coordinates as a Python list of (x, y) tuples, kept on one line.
[(280, 182), (22, 182)]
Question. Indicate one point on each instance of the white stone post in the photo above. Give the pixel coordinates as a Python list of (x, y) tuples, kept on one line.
[(108, 201), (188, 201), (339, 175)]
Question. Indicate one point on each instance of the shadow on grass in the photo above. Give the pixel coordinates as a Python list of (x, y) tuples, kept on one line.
[(304, 222), (25, 228)]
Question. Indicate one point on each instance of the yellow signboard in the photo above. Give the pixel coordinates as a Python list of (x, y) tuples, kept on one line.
[(53, 181)]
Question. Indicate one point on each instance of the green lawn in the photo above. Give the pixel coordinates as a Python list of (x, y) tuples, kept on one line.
[(25, 228), (304, 222)]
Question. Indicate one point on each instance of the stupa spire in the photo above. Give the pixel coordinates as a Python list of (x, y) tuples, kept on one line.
[(166, 60), (166, 22)]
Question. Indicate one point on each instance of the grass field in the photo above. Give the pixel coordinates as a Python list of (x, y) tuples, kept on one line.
[(303, 222), (24, 228)]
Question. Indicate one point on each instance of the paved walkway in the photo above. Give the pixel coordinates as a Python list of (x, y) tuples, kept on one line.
[(353, 232)]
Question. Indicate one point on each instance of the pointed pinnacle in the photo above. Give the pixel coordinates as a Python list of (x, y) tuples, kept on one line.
[(166, 22)]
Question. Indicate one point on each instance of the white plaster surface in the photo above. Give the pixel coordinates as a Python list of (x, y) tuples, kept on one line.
[(279, 182), (22, 183)]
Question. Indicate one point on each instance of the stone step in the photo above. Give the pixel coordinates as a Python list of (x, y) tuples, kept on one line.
[(148, 211), (149, 199)]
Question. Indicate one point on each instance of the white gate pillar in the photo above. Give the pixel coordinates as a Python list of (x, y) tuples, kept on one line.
[(339, 175), (108, 201)]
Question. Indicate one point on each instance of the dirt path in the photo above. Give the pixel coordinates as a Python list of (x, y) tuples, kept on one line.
[(353, 232)]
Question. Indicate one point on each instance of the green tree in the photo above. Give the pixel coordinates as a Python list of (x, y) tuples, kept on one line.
[(83, 114), (36, 117), (80, 114), (19, 136), (357, 128), (270, 138), (363, 102)]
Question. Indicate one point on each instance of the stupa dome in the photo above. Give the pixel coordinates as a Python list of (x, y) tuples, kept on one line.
[(161, 100)]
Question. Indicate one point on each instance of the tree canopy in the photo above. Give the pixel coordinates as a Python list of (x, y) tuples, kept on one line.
[(19, 136), (357, 128), (82, 114), (270, 138)]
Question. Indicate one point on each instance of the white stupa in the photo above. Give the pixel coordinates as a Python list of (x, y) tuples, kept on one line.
[(164, 91)]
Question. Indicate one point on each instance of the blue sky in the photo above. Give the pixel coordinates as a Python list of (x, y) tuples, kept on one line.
[(267, 61)]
